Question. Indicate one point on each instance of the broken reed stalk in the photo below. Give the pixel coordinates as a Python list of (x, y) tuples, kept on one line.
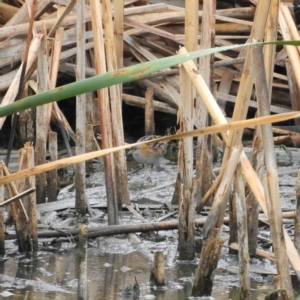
[(52, 178), (204, 164), (81, 200), (157, 276), (241, 216), (294, 90), (257, 152), (218, 208), (118, 31), (204, 274), (105, 115), (82, 291), (2, 230), (149, 112), (212, 244), (297, 216), (140, 102), (233, 230), (273, 207), (54, 111), (292, 52), (186, 218), (115, 97), (41, 119), (252, 205), (17, 210), (32, 199), (247, 78), (13, 89)]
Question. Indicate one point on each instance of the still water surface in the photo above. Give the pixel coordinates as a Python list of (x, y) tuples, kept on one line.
[(54, 276)]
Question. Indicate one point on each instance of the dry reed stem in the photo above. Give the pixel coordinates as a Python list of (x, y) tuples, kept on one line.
[(247, 78), (105, 115), (32, 198), (250, 175), (13, 89), (116, 107), (292, 52), (62, 13), (149, 113), (241, 216), (290, 23), (140, 102), (274, 207), (217, 211), (118, 31), (62, 163), (186, 218), (81, 199)]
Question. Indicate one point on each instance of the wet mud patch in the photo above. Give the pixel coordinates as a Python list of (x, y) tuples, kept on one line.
[(115, 262)]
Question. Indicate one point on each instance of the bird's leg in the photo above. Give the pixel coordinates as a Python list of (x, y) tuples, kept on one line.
[(137, 169)]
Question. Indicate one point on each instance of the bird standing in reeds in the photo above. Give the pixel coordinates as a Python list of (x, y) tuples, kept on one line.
[(149, 154)]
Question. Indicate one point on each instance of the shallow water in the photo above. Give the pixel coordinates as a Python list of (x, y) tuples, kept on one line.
[(53, 276), (114, 262)]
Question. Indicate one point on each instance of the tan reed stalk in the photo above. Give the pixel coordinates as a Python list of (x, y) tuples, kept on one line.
[(292, 52), (116, 107), (81, 199), (294, 90), (204, 169), (13, 89), (105, 115), (41, 119), (248, 171), (241, 212), (186, 218), (140, 102), (118, 30), (223, 128), (289, 22), (52, 178), (204, 274), (274, 207), (247, 79), (257, 152), (149, 112), (19, 216), (32, 199)]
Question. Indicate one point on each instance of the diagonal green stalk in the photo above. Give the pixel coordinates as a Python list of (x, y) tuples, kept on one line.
[(119, 76)]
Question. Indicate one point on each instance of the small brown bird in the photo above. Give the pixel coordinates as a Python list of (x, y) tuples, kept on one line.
[(149, 154)]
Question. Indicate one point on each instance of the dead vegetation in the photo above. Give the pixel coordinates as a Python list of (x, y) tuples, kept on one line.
[(42, 41)]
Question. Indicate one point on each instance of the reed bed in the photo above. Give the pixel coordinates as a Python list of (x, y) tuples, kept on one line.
[(41, 42)]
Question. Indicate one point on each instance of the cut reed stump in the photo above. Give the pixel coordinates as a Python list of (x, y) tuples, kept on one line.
[(186, 244), (241, 212), (157, 276), (209, 258), (81, 199), (24, 216), (52, 178), (212, 242)]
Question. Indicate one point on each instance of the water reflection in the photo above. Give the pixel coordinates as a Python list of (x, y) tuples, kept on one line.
[(51, 276)]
